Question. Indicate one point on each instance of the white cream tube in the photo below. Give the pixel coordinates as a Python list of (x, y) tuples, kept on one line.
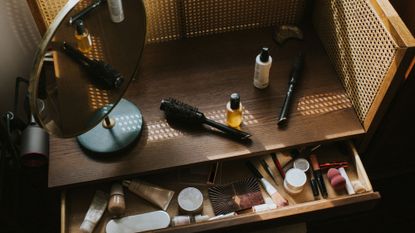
[(95, 212), (349, 186), (279, 200)]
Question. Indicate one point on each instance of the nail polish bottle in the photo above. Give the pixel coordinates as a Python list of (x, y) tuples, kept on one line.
[(234, 111), (83, 39), (263, 64)]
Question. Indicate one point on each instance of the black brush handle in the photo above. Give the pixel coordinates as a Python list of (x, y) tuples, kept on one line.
[(229, 130), (295, 75), (85, 11)]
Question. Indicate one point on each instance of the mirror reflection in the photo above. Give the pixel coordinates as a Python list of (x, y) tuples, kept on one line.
[(85, 64)]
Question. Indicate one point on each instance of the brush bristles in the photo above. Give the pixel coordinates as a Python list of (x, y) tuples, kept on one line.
[(176, 109), (236, 196)]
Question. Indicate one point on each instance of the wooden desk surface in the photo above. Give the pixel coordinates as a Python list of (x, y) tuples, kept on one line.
[(203, 72)]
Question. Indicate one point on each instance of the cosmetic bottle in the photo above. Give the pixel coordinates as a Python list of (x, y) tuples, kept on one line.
[(154, 194), (116, 204), (234, 111), (116, 10), (95, 212), (83, 39), (262, 67), (188, 219)]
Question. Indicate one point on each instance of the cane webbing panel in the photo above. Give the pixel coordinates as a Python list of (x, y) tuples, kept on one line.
[(360, 47), (204, 17), (49, 9), (175, 19)]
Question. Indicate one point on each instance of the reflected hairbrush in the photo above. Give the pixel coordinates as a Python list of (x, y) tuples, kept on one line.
[(100, 71), (178, 110)]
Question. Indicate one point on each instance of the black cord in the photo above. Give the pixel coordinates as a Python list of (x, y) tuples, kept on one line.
[(17, 92)]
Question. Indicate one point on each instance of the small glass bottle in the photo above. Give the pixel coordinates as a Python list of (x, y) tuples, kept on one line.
[(234, 111), (83, 39), (116, 204)]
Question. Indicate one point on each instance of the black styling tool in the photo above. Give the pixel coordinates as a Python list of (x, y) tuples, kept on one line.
[(295, 75), (84, 12), (102, 72), (180, 111)]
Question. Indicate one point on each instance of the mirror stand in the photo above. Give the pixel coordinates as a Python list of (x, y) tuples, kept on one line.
[(119, 129)]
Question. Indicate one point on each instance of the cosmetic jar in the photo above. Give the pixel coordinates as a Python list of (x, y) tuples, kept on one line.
[(302, 164), (295, 180), (190, 200)]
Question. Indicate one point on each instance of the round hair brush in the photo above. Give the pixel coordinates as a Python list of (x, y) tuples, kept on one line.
[(175, 109)]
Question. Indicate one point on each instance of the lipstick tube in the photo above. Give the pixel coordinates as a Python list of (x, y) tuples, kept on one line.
[(318, 175)]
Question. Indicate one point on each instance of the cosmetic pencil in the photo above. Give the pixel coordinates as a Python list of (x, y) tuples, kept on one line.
[(295, 75), (314, 186), (318, 175), (276, 197), (278, 165), (268, 170)]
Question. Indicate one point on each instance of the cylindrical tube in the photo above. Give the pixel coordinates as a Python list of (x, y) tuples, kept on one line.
[(158, 196), (116, 10), (116, 204)]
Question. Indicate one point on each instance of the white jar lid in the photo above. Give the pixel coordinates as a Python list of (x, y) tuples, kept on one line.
[(295, 180), (190, 200), (302, 164)]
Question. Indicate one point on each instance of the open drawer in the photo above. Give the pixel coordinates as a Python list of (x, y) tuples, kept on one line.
[(75, 202)]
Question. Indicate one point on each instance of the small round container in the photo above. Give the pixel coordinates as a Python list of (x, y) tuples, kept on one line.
[(302, 164), (295, 180), (190, 200)]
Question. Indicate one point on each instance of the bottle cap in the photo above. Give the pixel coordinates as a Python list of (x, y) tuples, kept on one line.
[(117, 189), (235, 101), (80, 27), (87, 226), (264, 57)]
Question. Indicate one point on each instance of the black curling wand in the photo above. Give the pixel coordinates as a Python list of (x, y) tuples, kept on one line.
[(295, 75), (85, 11), (178, 110), (102, 72)]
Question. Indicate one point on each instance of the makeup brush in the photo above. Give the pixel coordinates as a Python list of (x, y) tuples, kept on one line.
[(178, 110), (237, 196), (276, 197)]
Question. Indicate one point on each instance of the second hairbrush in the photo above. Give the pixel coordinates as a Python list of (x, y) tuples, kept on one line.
[(175, 109)]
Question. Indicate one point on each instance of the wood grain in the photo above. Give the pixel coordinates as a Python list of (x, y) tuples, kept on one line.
[(203, 72)]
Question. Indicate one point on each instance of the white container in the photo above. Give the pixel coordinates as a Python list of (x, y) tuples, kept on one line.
[(302, 164), (295, 180), (116, 10), (262, 67), (190, 200)]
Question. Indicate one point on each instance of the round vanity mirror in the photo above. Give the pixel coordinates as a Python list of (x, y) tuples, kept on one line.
[(83, 66)]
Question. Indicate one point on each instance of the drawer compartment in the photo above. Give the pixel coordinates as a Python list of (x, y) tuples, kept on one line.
[(75, 202)]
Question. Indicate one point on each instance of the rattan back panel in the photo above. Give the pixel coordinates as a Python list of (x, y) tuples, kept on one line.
[(175, 19), (360, 47)]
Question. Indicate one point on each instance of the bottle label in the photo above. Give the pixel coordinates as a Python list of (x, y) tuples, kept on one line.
[(261, 75)]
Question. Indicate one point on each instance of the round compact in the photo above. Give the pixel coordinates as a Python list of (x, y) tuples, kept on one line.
[(190, 200), (295, 180), (302, 164)]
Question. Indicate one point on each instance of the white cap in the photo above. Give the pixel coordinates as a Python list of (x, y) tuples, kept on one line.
[(201, 218), (87, 226)]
